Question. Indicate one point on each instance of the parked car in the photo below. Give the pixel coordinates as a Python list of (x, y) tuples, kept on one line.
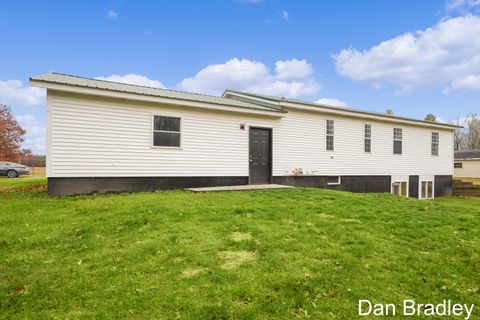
[(12, 170)]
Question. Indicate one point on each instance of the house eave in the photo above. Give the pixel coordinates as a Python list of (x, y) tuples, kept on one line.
[(150, 98), (321, 108)]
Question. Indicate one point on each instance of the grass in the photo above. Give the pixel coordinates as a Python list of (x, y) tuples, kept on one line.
[(291, 253), (7, 184)]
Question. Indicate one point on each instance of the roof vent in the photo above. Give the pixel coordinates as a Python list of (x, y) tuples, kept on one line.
[(389, 112)]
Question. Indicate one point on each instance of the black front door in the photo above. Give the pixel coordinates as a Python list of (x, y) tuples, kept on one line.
[(260, 156)]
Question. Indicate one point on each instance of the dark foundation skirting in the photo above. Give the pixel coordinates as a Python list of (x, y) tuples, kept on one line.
[(348, 183), (443, 186), (73, 186)]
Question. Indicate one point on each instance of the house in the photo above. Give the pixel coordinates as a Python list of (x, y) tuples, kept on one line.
[(467, 164), (110, 137)]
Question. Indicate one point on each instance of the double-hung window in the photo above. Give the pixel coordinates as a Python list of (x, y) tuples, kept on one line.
[(329, 135), (368, 138), (166, 131), (397, 141), (435, 140)]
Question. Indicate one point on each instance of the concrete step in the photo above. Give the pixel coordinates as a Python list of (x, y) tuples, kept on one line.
[(239, 188)]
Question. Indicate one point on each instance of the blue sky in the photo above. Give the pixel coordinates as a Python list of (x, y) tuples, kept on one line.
[(413, 57)]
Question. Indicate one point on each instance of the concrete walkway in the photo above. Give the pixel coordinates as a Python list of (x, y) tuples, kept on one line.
[(239, 188)]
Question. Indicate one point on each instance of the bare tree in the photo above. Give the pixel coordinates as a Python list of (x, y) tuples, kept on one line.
[(458, 134), (472, 134), (468, 137)]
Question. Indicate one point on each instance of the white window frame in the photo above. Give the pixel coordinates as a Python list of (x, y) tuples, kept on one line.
[(400, 181), (330, 135), (339, 181), (396, 139), (168, 115), (421, 189), (365, 137), (437, 143)]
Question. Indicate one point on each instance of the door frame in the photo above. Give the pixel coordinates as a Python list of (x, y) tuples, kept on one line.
[(270, 142)]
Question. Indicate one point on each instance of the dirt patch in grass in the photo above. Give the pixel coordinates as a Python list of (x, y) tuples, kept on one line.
[(234, 259), (240, 236), (191, 272)]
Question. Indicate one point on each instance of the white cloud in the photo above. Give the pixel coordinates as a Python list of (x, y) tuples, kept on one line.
[(462, 5), (136, 79), (332, 102), (471, 82), (293, 69), (447, 54), (292, 78), (14, 92), (35, 136), (284, 15), (111, 14)]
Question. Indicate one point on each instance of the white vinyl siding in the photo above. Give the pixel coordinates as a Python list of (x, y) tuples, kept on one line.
[(93, 137), (469, 169)]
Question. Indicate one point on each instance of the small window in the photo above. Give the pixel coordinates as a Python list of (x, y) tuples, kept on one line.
[(435, 140), (329, 135), (166, 131), (458, 165), (427, 190), (368, 138), (397, 141), (332, 180), (399, 188)]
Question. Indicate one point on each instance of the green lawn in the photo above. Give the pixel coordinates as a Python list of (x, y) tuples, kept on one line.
[(7, 184), (291, 253)]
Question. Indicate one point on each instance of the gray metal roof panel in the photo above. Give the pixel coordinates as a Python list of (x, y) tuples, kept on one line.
[(280, 99), (467, 154), (151, 91)]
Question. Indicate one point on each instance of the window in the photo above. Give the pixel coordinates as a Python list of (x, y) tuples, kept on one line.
[(332, 180), (368, 138), (166, 131), (399, 188), (330, 131), (458, 165), (397, 141), (435, 140), (427, 190)]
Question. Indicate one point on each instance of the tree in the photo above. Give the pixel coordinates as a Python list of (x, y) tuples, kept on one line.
[(33, 160), (472, 135), (468, 137), (430, 117), (11, 135)]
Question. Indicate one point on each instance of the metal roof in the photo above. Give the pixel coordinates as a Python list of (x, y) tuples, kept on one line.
[(278, 100), (70, 80), (467, 154)]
